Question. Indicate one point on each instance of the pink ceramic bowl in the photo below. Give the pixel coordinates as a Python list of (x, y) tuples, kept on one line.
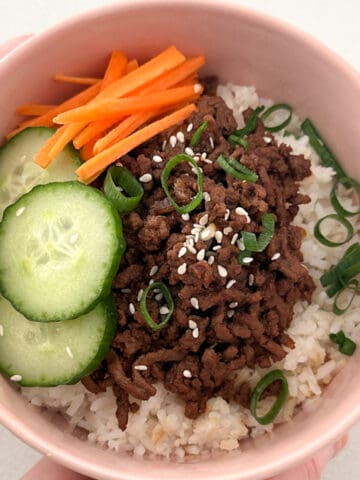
[(244, 47)]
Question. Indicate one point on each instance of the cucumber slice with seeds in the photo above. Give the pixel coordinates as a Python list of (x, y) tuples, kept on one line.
[(49, 354), (60, 247), (18, 172)]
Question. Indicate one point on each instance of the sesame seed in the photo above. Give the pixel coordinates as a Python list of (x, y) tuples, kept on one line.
[(240, 244), (233, 304), (140, 368), (204, 220), (241, 211), (227, 214), (230, 313), (157, 159), (227, 230), (197, 88), (191, 249), (20, 211), (189, 127), (1, 331), (163, 145), (276, 256), (131, 308), (195, 333), (247, 260), (207, 160), (125, 290), (182, 269), (189, 151), (230, 283), (206, 196), (139, 295), (73, 238), (195, 229), (201, 254), (208, 232), (146, 178), (154, 270), (185, 216), (211, 141), (196, 158), (222, 271), (173, 141), (267, 139), (182, 252), (192, 324), (211, 260), (151, 282), (203, 156), (216, 248), (234, 238), (69, 352), (187, 374), (164, 310), (219, 236), (194, 302), (251, 279), (181, 137), (159, 297), (16, 378)]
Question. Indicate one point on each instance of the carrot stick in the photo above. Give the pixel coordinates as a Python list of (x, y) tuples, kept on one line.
[(87, 151), (115, 69), (110, 108), (34, 110), (180, 73), (76, 80), (99, 162), (131, 66)]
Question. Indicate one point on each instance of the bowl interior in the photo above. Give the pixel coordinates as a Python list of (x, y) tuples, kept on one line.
[(243, 47)]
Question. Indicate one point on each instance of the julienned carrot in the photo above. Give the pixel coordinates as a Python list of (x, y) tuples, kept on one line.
[(95, 165), (131, 66), (110, 108), (169, 79), (46, 120), (56, 144), (76, 80), (34, 110), (87, 151), (115, 69)]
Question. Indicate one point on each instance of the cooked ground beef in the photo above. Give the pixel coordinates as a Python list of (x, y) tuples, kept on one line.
[(226, 315)]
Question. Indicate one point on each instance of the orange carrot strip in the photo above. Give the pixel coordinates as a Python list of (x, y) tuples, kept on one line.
[(34, 110), (56, 144), (110, 108), (167, 80), (131, 66), (87, 151), (94, 166), (115, 69), (76, 80)]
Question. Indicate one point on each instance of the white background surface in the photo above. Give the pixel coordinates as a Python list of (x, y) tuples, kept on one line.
[(335, 23)]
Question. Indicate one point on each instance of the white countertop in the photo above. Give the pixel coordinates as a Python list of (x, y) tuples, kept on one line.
[(334, 23)]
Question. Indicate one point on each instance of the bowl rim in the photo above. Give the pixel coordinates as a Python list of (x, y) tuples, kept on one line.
[(64, 454)]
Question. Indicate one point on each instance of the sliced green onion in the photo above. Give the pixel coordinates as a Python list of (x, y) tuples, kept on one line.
[(338, 337), (324, 240), (339, 276), (259, 244), (171, 164), (121, 177), (195, 139), (353, 285), (274, 411), (143, 305), (275, 108), (236, 169), (351, 183), (327, 158), (235, 140), (251, 123), (348, 347)]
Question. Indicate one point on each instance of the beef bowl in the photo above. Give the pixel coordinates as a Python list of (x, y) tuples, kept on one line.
[(229, 348)]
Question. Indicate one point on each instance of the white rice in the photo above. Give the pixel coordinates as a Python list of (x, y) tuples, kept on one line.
[(160, 426)]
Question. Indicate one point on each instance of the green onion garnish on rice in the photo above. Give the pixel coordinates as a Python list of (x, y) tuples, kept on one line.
[(275, 108), (346, 345), (337, 218), (143, 305), (351, 183), (195, 139), (171, 164), (262, 385)]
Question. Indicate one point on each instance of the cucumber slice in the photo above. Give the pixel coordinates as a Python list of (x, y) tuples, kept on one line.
[(60, 248), (18, 172), (49, 354)]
